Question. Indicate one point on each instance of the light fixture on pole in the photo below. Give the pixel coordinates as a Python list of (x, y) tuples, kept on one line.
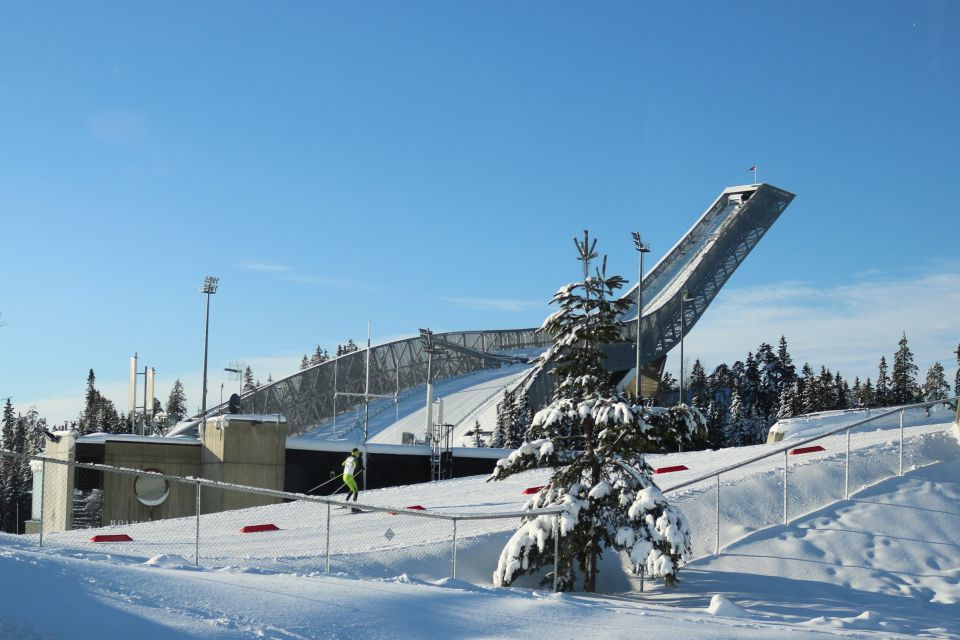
[(209, 288), (683, 298), (239, 376), (642, 248)]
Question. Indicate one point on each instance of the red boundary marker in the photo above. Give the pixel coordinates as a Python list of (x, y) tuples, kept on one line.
[(799, 450), (678, 467), (531, 490), (254, 528), (111, 537), (415, 507)]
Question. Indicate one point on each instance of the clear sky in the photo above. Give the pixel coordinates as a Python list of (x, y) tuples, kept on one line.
[(426, 164)]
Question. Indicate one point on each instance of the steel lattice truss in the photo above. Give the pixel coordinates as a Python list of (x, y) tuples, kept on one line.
[(307, 397), (699, 264)]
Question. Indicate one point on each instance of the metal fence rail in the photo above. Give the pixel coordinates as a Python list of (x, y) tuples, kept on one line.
[(805, 475), (284, 531)]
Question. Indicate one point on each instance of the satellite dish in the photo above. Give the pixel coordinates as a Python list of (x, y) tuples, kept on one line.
[(151, 491)]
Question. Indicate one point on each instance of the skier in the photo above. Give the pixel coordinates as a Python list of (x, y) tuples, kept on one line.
[(351, 466)]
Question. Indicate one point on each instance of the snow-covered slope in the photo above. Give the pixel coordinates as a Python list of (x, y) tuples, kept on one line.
[(881, 562), (465, 399)]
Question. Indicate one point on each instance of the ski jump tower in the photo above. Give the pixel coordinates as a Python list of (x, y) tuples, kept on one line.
[(698, 265)]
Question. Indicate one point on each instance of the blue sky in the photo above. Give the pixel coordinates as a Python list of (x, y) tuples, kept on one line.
[(427, 164)]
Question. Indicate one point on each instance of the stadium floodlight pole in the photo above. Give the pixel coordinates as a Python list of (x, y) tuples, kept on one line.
[(642, 248), (239, 376), (209, 288), (427, 337), (685, 297)]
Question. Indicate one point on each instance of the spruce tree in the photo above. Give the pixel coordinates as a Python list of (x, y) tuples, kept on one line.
[(521, 417), (304, 363), (935, 387), (248, 383), (736, 433), (956, 380), (903, 378), (594, 439), (477, 437), (787, 402), (868, 396), (176, 403), (699, 392), (882, 389)]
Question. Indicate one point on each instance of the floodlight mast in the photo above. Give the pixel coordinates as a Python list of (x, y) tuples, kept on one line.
[(209, 288), (685, 297), (427, 337), (642, 248)]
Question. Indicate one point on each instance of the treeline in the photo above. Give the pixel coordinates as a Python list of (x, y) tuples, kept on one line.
[(322, 355), (20, 434), (741, 402)]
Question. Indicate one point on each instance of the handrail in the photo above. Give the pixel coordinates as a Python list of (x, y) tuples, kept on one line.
[(800, 443), (288, 495)]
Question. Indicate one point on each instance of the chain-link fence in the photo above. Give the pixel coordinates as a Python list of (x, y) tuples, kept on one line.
[(151, 517), (798, 478), (161, 519)]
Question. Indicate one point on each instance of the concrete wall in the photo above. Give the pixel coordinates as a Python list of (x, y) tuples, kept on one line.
[(120, 503), (58, 484), (248, 450)]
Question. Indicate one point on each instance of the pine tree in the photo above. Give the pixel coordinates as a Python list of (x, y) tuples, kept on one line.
[(699, 387), (8, 468), (956, 380), (868, 396), (810, 393), (841, 392), (903, 378), (521, 418), (857, 393), (935, 387), (304, 364), (716, 420), (787, 372), (593, 439), (505, 433), (477, 437), (787, 402), (736, 432), (176, 403), (248, 383), (825, 397), (882, 390)]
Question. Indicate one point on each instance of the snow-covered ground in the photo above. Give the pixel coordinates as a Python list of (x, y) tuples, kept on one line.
[(813, 424), (883, 563)]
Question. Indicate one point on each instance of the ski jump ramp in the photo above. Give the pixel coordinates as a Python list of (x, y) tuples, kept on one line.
[(700, 263)]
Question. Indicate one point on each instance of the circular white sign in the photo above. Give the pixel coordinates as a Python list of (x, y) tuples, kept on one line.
[(151, 491)]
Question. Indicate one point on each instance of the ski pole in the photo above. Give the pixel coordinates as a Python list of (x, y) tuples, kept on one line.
[(323, 483)]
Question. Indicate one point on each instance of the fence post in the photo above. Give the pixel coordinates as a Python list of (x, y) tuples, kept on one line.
[(786, 463), (718, 515), (556, 551), (453, 573), (901, 442), (328, 538), (43, 483), (197, 549), (846, 471)]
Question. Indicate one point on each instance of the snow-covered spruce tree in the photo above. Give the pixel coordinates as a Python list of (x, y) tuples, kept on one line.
[(593, 439), (903, 377), (935, 387), (477, 436), (176, 402)]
